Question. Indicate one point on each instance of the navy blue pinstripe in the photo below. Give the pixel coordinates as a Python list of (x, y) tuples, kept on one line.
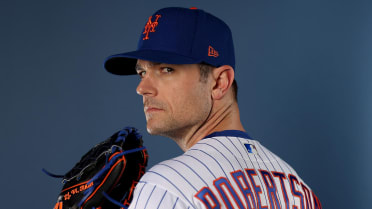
[(180, 175), (273, 168), (214, 176), (275, 157), (139, 193), (238, 151), (179, 190), (212, 158), (229, 151), (175, 203), (192, 171), (258, 165), (220, 154), (162, 199), (150, 196)]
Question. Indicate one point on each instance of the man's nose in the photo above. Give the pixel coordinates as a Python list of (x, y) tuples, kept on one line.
[(146, 87)]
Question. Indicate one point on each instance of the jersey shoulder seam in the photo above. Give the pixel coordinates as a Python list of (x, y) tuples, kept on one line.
[(166, 190)]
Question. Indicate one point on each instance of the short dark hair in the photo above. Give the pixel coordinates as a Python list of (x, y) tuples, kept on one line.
[(206, 70)]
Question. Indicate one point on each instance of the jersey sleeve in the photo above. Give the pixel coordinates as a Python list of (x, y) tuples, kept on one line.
[(149, 196)]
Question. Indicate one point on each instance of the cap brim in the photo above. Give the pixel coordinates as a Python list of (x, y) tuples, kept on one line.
[(125, 63)]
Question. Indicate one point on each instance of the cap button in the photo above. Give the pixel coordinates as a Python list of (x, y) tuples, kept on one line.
[(193, 8)]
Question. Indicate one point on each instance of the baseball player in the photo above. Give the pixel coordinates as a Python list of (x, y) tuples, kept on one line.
[(186, 62)]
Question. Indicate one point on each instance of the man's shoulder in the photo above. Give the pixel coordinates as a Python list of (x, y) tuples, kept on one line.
[(173, 177), (167, 169)]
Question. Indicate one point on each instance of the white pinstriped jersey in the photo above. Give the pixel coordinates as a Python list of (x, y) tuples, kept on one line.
[(224, 170)]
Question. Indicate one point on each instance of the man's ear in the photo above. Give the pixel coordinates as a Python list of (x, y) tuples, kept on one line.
[(223, 77)]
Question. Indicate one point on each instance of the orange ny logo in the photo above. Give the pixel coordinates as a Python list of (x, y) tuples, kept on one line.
[(150, 26)]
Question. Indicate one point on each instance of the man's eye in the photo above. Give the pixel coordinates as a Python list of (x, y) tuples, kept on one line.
[(141, 73), (167, 69)]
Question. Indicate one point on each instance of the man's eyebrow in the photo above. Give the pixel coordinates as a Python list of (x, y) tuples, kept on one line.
[(139, 67)]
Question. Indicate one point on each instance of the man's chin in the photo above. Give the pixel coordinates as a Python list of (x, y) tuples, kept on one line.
[(159, 131), (153, 130)]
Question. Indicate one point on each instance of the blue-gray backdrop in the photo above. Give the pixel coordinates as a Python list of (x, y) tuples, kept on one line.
[(303, 68)]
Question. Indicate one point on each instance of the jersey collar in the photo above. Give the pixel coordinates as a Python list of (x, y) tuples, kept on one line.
[(235, 133)]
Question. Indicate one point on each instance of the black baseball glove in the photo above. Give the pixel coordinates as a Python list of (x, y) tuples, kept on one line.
[(106, 175)]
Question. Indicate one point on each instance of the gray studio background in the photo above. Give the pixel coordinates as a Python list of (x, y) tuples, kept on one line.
[(303, 69)]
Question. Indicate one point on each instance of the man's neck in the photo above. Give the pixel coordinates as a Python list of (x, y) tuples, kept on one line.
[(220, 119)]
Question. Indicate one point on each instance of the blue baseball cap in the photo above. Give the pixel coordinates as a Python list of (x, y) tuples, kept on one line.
[(178, 36)]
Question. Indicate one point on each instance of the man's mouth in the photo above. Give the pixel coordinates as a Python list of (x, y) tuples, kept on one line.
[(150, 109)]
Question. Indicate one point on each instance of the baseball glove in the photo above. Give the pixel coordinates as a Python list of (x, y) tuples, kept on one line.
[(106, 175)]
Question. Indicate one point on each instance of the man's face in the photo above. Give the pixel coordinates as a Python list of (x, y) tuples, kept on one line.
[(174, 97)]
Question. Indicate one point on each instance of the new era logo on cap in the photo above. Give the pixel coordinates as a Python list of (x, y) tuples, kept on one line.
[(212, 52)]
